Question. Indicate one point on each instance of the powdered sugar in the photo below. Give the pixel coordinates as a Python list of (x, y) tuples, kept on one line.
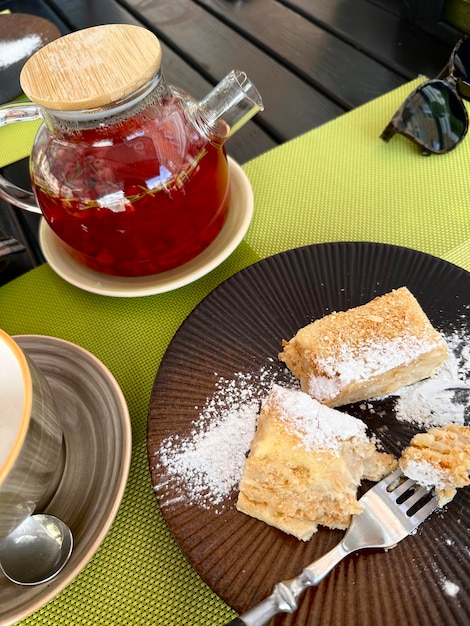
[(450, 588), (445, 397), (324, 387), (374, 358), (207, 466), (315, 424), (212, 460), (17, 49), (426, 474)]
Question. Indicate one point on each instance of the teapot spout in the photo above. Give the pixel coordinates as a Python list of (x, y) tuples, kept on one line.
[(228, 107)]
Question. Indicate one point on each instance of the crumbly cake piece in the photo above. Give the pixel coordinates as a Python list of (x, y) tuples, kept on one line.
[(305, 464), (367, 351), (439, 458)]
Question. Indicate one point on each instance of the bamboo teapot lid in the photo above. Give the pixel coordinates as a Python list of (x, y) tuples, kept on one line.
[(91, 68)]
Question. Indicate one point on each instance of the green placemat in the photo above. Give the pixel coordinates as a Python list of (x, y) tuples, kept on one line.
[(16, 139), (338, 182)]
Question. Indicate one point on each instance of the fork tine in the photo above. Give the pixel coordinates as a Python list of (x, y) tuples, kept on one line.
[(416, 497), (403, 487), (425, 511), (389, 483)]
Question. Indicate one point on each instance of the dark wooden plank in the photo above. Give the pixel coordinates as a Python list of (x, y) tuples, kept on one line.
[(35, 7), (392, 6), (213, 48), (16, 264), (21, 225), (83, 13), (429, 16), (327, 61), (379, 33), (26, 222), (249, 142)]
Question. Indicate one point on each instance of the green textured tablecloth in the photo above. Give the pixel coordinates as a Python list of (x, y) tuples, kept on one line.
[(338, 182)]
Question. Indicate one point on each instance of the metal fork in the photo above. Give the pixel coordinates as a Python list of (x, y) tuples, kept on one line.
[(392, 509)]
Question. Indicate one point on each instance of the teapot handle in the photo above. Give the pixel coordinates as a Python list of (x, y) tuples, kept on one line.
[(18, 112)]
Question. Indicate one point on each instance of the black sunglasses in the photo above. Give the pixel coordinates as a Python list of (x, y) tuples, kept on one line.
[(434, 115)]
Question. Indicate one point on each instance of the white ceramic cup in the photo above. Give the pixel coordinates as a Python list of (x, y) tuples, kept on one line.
[(31, 446)]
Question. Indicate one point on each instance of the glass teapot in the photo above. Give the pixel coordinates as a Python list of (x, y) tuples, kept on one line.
[(129, 172)]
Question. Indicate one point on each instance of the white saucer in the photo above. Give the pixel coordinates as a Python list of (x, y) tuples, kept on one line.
[(97, 435), (235, 227)]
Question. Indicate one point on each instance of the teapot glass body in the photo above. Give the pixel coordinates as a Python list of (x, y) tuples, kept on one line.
[(134, 190)]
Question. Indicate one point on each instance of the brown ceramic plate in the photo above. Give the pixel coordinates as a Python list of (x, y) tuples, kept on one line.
[(21, 35), (238, 328), (97, 435)]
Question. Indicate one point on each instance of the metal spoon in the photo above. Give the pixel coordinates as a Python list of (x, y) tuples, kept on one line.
[(36, 550)]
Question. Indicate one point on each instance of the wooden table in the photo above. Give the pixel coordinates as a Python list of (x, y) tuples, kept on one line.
[(311, 61), (337, 183)]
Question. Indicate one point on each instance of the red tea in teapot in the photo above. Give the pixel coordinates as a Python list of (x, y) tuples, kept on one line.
[(141, 198), (130, 172)]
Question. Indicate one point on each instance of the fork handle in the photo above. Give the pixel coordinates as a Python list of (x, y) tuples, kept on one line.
[(284, 596)]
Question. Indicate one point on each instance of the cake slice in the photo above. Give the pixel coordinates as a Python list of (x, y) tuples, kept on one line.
[(365, 352), (305, 464), (439, 458)]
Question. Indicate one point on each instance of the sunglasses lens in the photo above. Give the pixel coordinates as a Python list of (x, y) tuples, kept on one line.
[(461, 66), (434, 117)]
